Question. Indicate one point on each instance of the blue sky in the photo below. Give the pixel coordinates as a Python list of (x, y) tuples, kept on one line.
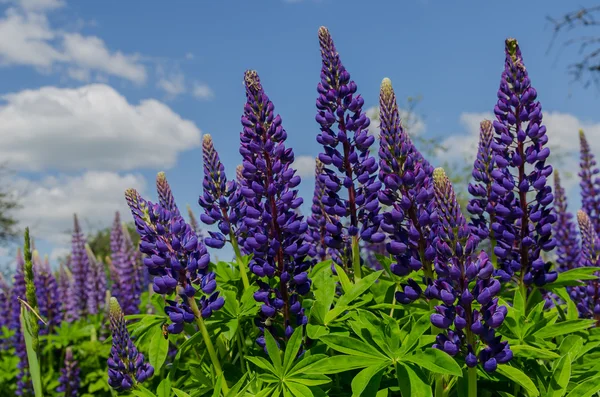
[(100, 96)]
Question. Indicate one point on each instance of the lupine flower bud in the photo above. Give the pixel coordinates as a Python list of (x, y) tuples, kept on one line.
[(523, 215), (275, 230), (80, 268), (165, 195), (176, 258), (126, 365), (483, 195), (587, 297), (349, 165), (409, 218), (468, 329), (69, 376), (221, 199), (567, 242), (590, 183)]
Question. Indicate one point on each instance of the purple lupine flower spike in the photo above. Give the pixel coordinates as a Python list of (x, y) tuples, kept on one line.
[(24, 385), (48, 299), (468, 331), (408, 218), (5, 309), (125, 288), (141, 275), (590, 182), (176, 259), (483, 195), (165, 195), (523, 215), (126, 365), (221, 198), (95, 283), (275, 231), (317, 222), (69, 376), (347, 159), (587, 297), (80, 268), (567, 241), (64, 288)]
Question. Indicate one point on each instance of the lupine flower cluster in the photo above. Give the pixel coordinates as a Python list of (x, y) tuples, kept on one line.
[(457, 265), (408, 218), (126, 283), (80, 268), (317, 221), (587, 297), (126, 364), (64, 282), (347, 159), (24, 386), (275, 231), (69, 376), (523, 215), (95, 283), (48, 298), (589, 182), (175, 256), (567, 242), (5, 309), (482, 201)]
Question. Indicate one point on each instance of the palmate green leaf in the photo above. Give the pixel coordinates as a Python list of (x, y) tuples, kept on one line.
[(305, 365), (353, 293), (517, 376), (141, 391), (366, 382), (573, 277), (239, 389), (180, 393), (563, 328), (344, 280), (273, 352), (587, 388), (218, 384), (571, 344), (527, 351), (324, 291), (436, 361), (32, 358), (298, 390), (292, 349), (164, 388), (352, 346), (159, 347), (309, 380), (411, 339), (412, 381), (560, 377), (342, 363), (369, 328), (262, 363)]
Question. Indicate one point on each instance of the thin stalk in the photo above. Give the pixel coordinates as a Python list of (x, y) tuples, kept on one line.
[(393, 301), (209, 345), (240, 262), (241, 349), (472, 382), (356, 259), (439, 386)]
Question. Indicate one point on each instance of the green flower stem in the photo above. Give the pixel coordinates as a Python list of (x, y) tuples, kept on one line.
[(209, 345), (242, 266), (472, 382), (356, 259)]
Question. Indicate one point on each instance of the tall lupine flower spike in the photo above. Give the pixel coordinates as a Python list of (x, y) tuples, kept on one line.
[(587, 297), (19, 290), (176, 259), (275, 229), (407, 195), (317, 222), (69, 376), (64, 288), (567, 242), (48, 298), (5, 306), (34, 327), (523, 215), (126, 365), (194, 222), (125, 288), (350, 166), (590, 182), (483, 195), (80, 267), (467, 330), (165, 195), (95, 283)]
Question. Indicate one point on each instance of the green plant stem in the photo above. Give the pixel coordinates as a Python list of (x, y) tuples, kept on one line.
[(240, 342), (439, 386), (472, 382), (393, 301), (240, 262), (356, 259), (209, 345)]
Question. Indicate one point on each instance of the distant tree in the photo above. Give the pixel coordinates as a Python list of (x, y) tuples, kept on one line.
[(580, 29), (99, 241), (9, 203)]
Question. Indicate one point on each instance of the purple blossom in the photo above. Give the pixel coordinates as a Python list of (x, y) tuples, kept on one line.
[(348, 163), (317, 221), (587, 297), (95, 283), (48, 298), (165, 195), (590, 183), (80, 269), (483, 195), (567, 242), (69, 376), (409, 216), (5, 310), (64, 284), (177, 260), (24, 385), (126, 286), (468, 330), (126, 365), (275, 230), (523, 215)]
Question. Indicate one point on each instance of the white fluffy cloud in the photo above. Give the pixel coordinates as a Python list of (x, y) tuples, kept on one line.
[(49, 204), (91, 127), (173, 85), (27, 38), (305, 166), (202, 91)]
